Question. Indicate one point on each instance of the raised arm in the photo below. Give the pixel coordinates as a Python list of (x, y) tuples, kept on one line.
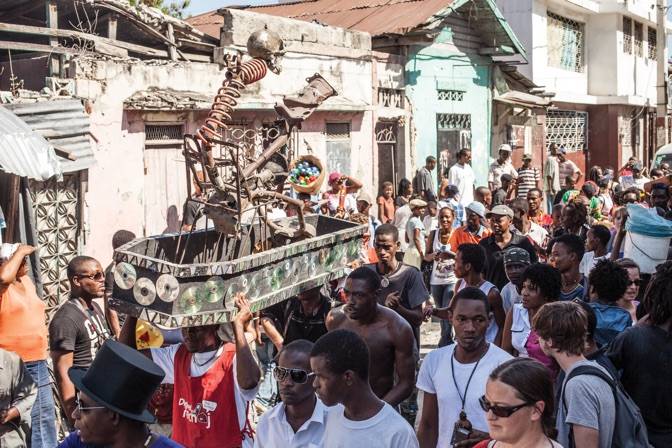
[(9, 269), (352, 185), (247, 370)]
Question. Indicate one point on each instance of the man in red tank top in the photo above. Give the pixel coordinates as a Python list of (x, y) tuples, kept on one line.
[(214, 380)]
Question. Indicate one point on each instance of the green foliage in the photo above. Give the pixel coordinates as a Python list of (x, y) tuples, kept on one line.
[(174, 8)]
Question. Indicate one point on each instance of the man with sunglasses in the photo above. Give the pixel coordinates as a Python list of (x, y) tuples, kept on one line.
[(299, 420), (78, 329)]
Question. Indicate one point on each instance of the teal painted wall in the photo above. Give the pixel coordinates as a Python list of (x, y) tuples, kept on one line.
[(443, 65)]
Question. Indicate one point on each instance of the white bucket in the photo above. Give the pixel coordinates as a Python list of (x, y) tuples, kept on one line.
[(648, 252)]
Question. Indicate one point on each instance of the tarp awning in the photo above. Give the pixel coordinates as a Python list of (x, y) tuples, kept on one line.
[(522, 99), (24, 152)]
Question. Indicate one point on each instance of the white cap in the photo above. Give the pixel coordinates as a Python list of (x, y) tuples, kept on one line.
[(505, 147), (7, 250)]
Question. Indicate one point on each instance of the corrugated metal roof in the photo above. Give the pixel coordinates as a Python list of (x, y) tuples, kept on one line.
[(65, 124), (23, 151), (375, 17)]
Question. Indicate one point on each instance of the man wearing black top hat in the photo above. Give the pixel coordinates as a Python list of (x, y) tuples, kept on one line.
[(111, 405)]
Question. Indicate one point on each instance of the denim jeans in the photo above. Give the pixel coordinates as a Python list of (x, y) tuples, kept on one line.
[(43, 414), (442, 295), (268, 389)]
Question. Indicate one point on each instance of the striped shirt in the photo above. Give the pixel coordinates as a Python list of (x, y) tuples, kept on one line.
[(527, 179)]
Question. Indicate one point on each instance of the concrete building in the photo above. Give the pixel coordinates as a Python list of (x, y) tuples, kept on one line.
[(449, 50), (599, 58)]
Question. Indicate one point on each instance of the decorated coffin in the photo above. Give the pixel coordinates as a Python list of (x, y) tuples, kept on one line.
[(185, 280)]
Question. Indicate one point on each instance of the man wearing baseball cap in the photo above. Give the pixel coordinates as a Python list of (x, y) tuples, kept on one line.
[(23, 331), (474, 230), (112, 401), (502, 237), (516, 260), (501, 166)]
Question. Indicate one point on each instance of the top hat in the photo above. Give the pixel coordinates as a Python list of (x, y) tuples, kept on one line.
[(121, 379)]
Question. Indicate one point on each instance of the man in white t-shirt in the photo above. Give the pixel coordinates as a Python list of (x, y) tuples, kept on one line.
[(340, 363), (597, 240), (211, 412), (453, 378), (537, 235), (462, 176), (299, 420), (501, 166)]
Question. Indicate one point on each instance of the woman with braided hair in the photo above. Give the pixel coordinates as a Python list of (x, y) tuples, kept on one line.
[(644, 354)]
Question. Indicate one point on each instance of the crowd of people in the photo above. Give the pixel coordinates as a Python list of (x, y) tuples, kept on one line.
[(549, 337)]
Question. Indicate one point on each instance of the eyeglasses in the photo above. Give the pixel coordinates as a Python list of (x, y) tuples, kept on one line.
[(500, 411), (81, 408), (97, 276), (637, 282), (298, 376)]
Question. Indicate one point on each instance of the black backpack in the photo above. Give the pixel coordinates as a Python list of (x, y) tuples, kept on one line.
[(629, 427)]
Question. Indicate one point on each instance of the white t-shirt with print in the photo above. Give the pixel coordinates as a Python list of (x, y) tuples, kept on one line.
[(165, 358), (386, 429), (435, 377)]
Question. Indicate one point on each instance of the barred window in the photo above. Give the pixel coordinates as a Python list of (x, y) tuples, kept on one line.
[(391, 97), (627, 35), (163, 134), (639, 39), (565, 43), (652, 42), (567, 128), (450, 95), (338, 147)]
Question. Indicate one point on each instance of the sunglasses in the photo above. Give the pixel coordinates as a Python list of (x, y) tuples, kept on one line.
[(637, 282), (81, 408), (97, 276), (297, 376), (500, 411)]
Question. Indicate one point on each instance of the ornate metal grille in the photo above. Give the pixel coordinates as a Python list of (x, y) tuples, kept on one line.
[(386, 132), (567, 128), (627, 35), (639, 39), (56, 206), (450, 95), (391, 97), (163, 134), (652, 42), (565, 43), (453, 121)]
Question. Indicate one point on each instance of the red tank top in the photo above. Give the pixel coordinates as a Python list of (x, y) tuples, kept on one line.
[(204, 407)]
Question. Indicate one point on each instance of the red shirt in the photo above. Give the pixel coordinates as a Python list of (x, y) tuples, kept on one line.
[(204, 408)]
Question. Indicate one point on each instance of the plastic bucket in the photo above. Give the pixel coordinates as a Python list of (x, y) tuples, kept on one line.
[(647, 251)]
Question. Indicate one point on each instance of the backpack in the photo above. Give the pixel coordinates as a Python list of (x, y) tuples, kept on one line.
[(629, 427)]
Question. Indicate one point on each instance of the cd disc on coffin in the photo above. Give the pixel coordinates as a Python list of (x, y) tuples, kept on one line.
[(125, 275), (144, 291), (167, 288), (189, 302)]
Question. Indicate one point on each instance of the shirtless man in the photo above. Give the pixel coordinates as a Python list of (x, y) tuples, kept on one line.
[(388, 336)]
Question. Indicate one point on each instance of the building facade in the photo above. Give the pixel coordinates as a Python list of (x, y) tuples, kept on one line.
[(599, 59)]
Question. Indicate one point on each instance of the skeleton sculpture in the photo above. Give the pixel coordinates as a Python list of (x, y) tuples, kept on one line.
[(237, 188)]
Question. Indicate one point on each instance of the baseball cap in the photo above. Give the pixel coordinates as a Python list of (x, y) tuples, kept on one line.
[(637, 166), (505, 147), (562, 150), (453, 189), (516, 255), (527, 156), (7, 250), (506, 177), (333, 177), (415, 203), (478, 208), (364, 197), (500, 210)]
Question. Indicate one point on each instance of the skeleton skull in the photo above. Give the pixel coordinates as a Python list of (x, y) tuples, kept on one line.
[(266, 45)]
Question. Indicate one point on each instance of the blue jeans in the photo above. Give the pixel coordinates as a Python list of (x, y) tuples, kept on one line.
[(43, 414), (268, 389), (442, 295)]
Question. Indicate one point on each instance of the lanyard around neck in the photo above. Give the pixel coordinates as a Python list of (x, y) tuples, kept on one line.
[(463, 398)]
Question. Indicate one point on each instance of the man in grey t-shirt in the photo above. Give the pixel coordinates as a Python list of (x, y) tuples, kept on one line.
[(423, 184), (590, 404), (586, 412)]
